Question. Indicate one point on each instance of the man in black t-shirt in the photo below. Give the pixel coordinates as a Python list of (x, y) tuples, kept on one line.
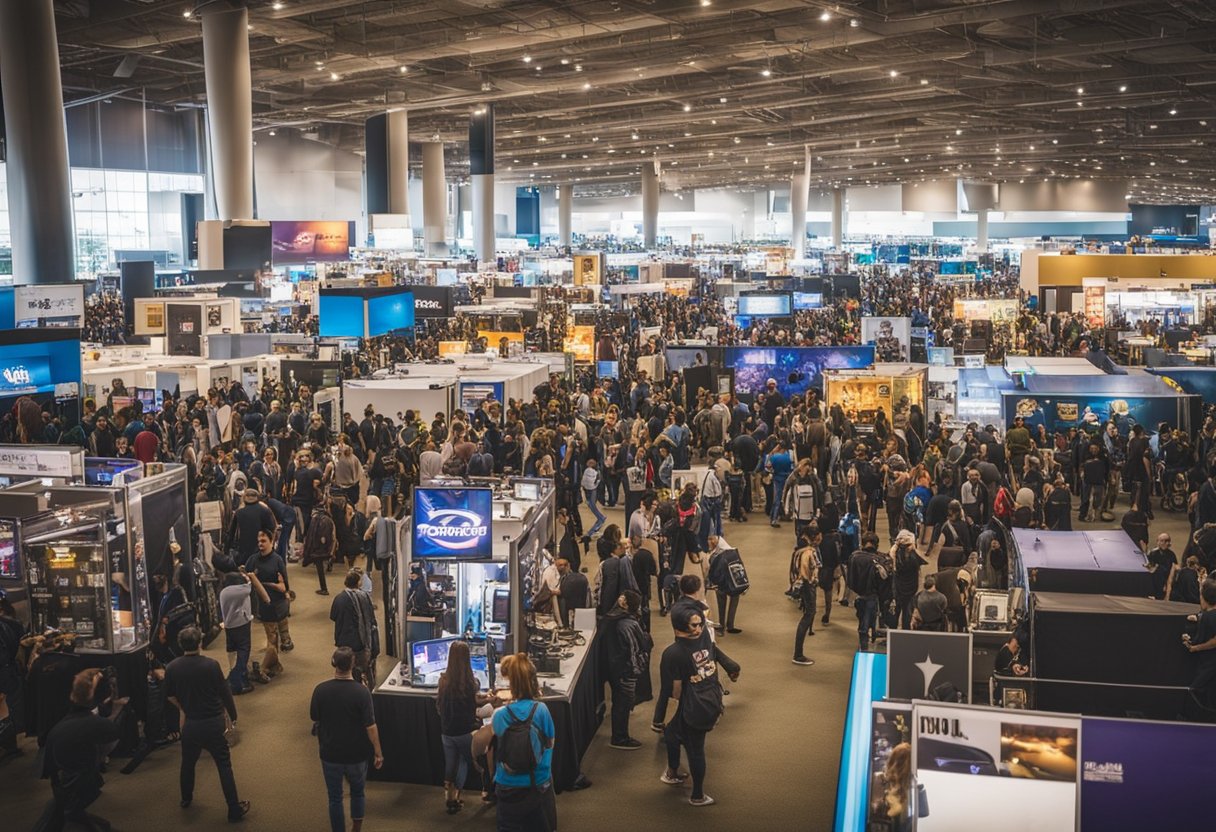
[(272, 573), (345, 725), (253, 516), (305, 487), (1162, 560), (1203, 686), (196, 685)]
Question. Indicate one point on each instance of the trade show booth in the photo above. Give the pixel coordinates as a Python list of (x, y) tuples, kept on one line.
[(890, 388)]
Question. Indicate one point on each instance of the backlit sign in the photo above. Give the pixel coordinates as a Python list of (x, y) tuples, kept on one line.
[(453, 523)]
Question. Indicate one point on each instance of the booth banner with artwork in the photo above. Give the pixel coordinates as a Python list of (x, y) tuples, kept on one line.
[(922, 662), (452, 348), (997, 770), (48, 304), (891, 337), (1061, 412), (581, 342), (299, 241), (494, 338), (587, 270), (1000, 311), (1094, 289), (795, 369)]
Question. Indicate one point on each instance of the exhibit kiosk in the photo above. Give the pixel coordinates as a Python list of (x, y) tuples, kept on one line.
[(469, 562), (861, 393)]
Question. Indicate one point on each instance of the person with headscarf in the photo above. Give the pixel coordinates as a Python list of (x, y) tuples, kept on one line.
[(1023, 509)]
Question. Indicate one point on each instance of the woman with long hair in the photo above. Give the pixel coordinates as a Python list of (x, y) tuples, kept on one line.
[(457, 702), (524, 786)]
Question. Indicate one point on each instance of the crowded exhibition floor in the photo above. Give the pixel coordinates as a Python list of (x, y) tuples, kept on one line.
[(775, 755)]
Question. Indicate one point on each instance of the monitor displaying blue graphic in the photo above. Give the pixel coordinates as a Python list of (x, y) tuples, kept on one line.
[(388, 313), (453, 523), (778, 305), (795, 369), (607, 369), (341, 316), (429, 660), (808, 300)]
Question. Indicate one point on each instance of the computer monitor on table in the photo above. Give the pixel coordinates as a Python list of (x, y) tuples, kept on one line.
[(429, 659)]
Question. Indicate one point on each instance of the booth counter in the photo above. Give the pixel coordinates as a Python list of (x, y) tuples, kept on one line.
[(1099, 562)]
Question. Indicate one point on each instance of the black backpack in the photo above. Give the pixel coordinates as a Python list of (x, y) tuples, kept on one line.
[(516, 751), (701, 703)]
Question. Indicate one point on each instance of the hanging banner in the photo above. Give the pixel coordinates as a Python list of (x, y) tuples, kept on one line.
[(1094, 289), (587, 270), (48, 304), (581, 342)]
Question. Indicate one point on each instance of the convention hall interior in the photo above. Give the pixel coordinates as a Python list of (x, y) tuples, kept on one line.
[(815, 399)]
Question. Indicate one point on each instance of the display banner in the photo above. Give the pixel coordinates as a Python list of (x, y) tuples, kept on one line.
[(1144, 775), (581, 342), (48, 305), (1058, 412), (25, 375), (432, 301), (890, 805), (453, 523), (473, 393), (994, 769), (1000, 311), (452, 348), (183, 328), (891, 337), (1094, 289), (941, 356), (587, 270), (297, 241), (920, 662), (40, 461)]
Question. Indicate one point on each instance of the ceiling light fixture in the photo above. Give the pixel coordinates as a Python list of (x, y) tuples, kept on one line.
[(333, 76), (1123, 88), (587, 85), (688, 108), (1173, 111), (1080, 90), (278, 7), (766, 72), (565, 62), (403, 69), (578, 67), (924, 82), (893, 73), (854, 22), (722, 100), (270, 133), (187, 14), (527, 59), (705, 2)]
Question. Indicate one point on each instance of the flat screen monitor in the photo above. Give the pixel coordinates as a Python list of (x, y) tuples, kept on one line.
[(479, 659), (453, 523), (607, 369), (341, 316), (526, 491), (776, 305), (10, 563), (390, 313), (500, 611), (808, 300), (302, 241), (428, 660)]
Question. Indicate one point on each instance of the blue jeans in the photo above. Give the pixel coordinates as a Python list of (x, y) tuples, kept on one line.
[(867, 619), (457, 756), (600, 519), (778, 489), (711, 523), (356, 775), (285, 530)]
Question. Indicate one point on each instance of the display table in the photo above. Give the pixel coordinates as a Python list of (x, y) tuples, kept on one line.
[(409, 721)]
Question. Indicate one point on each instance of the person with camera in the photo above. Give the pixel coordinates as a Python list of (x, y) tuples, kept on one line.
[(196, 685)]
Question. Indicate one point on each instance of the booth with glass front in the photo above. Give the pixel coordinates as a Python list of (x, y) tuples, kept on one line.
[(891, 388)]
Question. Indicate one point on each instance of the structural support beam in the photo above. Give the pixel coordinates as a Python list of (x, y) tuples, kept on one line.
[(798, 198), (434, 199), (229, 109), (565, 214), (397, 147), (837, 218), (39, 182), (481, 169), (981, 231), (650, 203)]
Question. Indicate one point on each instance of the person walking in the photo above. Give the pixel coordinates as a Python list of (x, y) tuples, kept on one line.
[(195, 684), (779, 464), (809, 568), (524, 733), (320, 544), (236, 609), (271, 573), (345, 726), (907, 575), (457, 700), (591, 485), (628, 649), (866, 575), (354, 619), (721, 556)]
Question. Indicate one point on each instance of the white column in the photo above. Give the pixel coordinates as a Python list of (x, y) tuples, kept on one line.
[(650, 203), (565, 213), (837, 218), (798, 197), (229, 108), (398, 142), (434, 199), (981, 231), (483, 216)]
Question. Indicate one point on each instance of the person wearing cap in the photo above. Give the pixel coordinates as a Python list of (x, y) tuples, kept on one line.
[(252, 517)]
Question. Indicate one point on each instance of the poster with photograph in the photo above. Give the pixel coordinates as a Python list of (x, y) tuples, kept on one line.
[(1094, 291), (973, 764), (215, 315), (890, 804), (587, 270), (154, 316), (891, 337), (581, 342)]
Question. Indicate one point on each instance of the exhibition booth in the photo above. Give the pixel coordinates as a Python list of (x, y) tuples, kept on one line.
[(795, 369), (468, 565), (891, 388)]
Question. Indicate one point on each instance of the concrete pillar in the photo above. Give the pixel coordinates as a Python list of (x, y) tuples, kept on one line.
[(798, 197), (434, 199), (229, 108), (650, 203), (565, 214), (398, 151), (39, 181), (837, 218), (481, 169), (981, 231)]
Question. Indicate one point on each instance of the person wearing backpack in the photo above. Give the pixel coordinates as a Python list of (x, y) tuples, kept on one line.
[(868, 575), (691, 663), (728, 577), (524, 734)]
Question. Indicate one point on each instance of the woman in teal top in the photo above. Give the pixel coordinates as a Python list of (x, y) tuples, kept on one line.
[(523, 771)]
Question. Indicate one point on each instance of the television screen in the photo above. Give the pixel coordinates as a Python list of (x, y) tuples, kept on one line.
[(526, 491), (453, 523), (247, 247), (808, 300), (765, 306), (296, 241), (501, 610), (607, 369), (429, 659), (341, 316), (389, 313)]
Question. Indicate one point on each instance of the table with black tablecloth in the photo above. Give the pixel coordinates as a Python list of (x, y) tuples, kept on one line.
[(410, 737)]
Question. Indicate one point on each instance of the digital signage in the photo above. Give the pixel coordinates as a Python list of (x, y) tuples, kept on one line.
[(388, 313), (766, 306), (341, 316), (295, 241), (808, 300), (453, 523)]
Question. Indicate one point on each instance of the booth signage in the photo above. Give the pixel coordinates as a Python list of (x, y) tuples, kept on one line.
[(1095, 301), (39, 462), (453, 523), (26, 375), (473, 393), (921, 660), (53, 305)]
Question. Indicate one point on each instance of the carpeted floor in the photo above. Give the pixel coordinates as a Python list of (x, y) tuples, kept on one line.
[(772, 759)]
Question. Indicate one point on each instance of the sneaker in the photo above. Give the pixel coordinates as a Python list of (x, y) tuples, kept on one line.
[(733, 630), (804, 661), (242, 809), (289, 645), (258, 676), (703, 800), (657, 727), (677, 780), (322, 591), (627, 744)]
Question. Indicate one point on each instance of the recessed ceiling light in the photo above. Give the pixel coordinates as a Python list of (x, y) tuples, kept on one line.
[(587, 85), (893, 73), (633, 136), (854, 22), (688, 108), (924, 81), (766, 72), (1080, 90), (187, 13), (1152, 127), (527, 59), (722, 100), (958, 132), (1173, 111), (825, 16), (270, 133), (333, 76), (1123, 88), (705, 2), (565, 62), (278, 7), (403, 69), (1055, 141)]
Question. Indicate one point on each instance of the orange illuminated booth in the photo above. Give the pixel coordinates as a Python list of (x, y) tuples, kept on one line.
[(861, 393)]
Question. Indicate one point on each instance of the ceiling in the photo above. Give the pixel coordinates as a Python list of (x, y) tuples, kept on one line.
[(722, 92)]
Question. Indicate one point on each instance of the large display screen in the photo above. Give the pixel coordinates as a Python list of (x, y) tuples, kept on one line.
[(766, 306), (299, 241), (808, 300), (1059, 412), (341, 316), (389, 313), (795, 369), (453, 523), (247, 247)]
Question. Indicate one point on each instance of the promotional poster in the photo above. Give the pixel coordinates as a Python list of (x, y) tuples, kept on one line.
[(296, 241), (1144, 775), (453, 523), (997, 770), (48, 304), (341, 316), (581, 342), (1094, 292), (795, 369), (890, 795), (587, 270), (1000, 311), (891, 337), (1090, 411), (920, 662), (473, 393)]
